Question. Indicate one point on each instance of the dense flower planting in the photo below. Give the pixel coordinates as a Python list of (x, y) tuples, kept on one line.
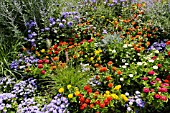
[(85, 62)]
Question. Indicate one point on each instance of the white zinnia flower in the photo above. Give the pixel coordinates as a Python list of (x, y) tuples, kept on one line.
[(151, 60), (121, 79), (124, 66), (130, 75), (139, 63), (155, 67)]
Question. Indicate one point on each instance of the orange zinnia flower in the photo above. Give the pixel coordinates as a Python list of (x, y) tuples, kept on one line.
[(103, 69), (114, 68), (110, 63), (119, 72)]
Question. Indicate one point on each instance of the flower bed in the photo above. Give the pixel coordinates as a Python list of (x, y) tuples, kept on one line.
[(91, 62)]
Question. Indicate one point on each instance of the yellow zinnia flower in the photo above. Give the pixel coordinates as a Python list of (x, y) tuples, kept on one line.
[(76, 93), (70, 96), (117, 87), (97, 52), (68, 86), (43, 50), (61, 90), (114, 96), (124, 97), (107, 92)]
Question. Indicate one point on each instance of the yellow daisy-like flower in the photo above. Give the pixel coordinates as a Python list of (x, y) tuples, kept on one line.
[(97, 52), (61, 90), (107, 92), (47, 57), (114, 96), (98, 58), (76, 93), (38, 54), (124, 97), (70, 96), (43, 50), (102, 17), (100, 50), (92, 58), (68, 86), (117, 87)]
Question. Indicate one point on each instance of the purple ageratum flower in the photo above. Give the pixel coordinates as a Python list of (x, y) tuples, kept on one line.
[(47, 29), (42, 30), (52, 21), (115, 1), (34, 34), (61, 25), (58, 20), (30, 36), (104, 32), (69, 24), (122, 0)]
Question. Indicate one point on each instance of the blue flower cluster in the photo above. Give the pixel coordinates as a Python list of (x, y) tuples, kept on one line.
[(6, 83), (23, 62), (25, 88), (58, 105), (6, 99), (134, 100), (31, 34), (28, 105), (160, 46)]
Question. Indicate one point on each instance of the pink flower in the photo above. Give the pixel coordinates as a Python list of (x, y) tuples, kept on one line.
[(156, 96), (159, 65), (152, 90), (163, 98), (144, 78), (164, 84), (146, 90), (162, 90), (153, 82), (158, 79), (154, 57), (151, 72)]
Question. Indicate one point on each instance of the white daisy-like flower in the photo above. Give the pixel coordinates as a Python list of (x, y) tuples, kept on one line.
[(130, 75), (125, 46), (114, 51), (123, 60), (151, 60), (139, 63), (121, 79), (155, 67), (127, 94), (124, 66)]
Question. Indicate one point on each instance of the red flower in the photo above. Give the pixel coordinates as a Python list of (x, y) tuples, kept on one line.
[(106, 102), (43, 72), (81, 107), (108, 78), (97, 77), (168, 77), (102, 105), (91, 105), (40, 61), (55, 46), (87, 100), (89, 41), (84, 105), (151, 72), (110, 85), (86, 87), (144, 78), (81, 99), (89, 90), (164, 98), (47, 61), (146, 90), (156, 96), (166, 81), (153, 58), (109, 98), (97, 102), (76, 35), (168, 42), (168, 53), (56, 52), (40, 66)]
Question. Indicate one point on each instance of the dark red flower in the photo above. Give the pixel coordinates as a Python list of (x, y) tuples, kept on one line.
[(40, 61), (43, 72), (87, 100), (106, 102), (40, 66), (154, 57), (86, 87), (89, 90)]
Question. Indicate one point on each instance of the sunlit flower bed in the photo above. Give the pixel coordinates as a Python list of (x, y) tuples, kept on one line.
[(85, 63)]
